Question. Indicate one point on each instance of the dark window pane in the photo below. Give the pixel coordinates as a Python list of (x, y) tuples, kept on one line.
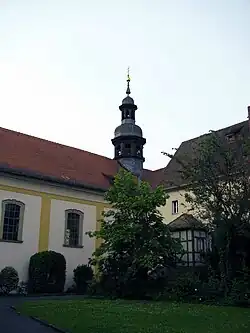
[(73, 224), (11, 221)]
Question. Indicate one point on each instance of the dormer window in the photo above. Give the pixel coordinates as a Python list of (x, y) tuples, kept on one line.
[(230, 137), (234, 134)]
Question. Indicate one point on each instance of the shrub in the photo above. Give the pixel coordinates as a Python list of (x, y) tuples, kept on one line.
[(71, 289), (22, 288), (240, 293), (94, 288), (8, 280), (185, 287), (47, 272), (211, 291), (83, 275)]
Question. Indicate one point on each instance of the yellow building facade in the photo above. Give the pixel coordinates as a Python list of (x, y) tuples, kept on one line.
[(43, 222), (175, 205)]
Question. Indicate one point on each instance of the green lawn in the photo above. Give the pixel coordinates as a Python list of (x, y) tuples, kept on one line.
[(104, 316)]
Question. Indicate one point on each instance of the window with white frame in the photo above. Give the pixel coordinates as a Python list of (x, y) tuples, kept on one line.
[(11, 226), (200, 244), (175, 207), (73, 228)]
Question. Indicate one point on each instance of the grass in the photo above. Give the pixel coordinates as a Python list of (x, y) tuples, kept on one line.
[(105, 316)]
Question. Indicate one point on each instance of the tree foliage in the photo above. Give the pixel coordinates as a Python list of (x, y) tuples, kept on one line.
[(217, 175), (136, 244)]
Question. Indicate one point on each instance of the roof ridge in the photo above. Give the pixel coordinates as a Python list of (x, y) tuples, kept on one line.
[(218, 130), (53, 142)]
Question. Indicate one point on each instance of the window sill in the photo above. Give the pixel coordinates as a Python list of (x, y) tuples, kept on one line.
[(73, 246), (10, 241), (175, 213)]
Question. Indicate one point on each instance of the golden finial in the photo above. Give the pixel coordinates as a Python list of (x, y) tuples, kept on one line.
[(128, 76)]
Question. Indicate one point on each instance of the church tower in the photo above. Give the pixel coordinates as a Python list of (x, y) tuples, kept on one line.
[(128, 140)]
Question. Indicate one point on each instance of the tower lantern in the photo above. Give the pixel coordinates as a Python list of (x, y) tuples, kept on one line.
[(128, 139)]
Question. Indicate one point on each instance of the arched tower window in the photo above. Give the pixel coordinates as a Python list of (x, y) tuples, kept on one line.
[(127, 149), (118, 150), (138, 151)]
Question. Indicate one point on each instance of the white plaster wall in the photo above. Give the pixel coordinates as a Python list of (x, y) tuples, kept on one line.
[(73, 256), (17, 255)]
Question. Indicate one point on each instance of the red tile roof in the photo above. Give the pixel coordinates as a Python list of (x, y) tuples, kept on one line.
[(31, 156)]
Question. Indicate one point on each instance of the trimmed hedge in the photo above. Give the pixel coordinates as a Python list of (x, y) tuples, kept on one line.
[(8, 280), (83, 275), (47, 272)]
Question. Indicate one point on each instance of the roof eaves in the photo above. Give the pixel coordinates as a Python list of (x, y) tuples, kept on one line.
[(51, 179)]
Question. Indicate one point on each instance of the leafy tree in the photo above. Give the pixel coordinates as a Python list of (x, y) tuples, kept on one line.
[(136, 245), (217, 178)]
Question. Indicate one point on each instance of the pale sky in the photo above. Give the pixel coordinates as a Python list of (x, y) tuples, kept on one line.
[(63, 69)]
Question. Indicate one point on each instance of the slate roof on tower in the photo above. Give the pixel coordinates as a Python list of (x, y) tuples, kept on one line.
[(29, 156)]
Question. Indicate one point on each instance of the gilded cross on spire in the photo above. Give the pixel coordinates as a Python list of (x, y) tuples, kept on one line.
[(128, 81), (128, 74)]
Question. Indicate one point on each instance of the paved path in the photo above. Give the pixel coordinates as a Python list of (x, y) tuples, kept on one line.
[(11, 322)]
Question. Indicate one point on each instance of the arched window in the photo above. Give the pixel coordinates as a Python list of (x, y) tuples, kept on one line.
[(73, 228), (127, 149), (118, 150), (138, 151), (12, 220)]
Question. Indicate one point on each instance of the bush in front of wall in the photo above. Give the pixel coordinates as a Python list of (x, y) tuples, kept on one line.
[(47, 272), (8, 280), (239, 294), (83, 275), (22, 288)]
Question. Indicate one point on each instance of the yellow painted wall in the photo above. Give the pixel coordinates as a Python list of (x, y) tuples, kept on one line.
[(17, 254), (55, 197), (48, 193), (44, 223), (166, 210)]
